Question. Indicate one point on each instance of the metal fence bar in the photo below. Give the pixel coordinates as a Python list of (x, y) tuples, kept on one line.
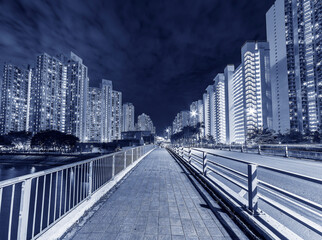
[(43, 203), (35, 208), (0, 199), (24, 209), (204, 164), (11, 210), (74, 187), (51, 196), (90, 179), (56, 186), (124, 164), (49, 202), (252, 188)]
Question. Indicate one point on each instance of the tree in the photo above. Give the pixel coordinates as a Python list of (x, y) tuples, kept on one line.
[(19, 139), (5, 141), (53, 140), (316, 137)]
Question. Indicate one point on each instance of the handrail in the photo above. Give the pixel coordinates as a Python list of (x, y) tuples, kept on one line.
[(46, 196), (10, 181), (287, 150)]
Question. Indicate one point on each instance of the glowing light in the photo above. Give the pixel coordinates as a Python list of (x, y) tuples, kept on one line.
[(251, 111), (193, 113)]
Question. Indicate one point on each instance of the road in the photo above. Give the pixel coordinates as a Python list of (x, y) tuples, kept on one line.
[(304, 188)]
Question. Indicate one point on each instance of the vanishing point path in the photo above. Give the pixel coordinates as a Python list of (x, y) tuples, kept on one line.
[(156, 201)]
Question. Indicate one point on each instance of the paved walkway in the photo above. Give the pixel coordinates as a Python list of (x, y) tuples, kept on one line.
[(156, 201)]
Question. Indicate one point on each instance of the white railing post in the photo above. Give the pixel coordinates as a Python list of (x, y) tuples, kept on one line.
[(286, 151), (259, 150), (189, 157), (24, 209), (113, 166), (132, 156), (242, 148), (252, 188), (124, 159), (204, 163), (90, 179)]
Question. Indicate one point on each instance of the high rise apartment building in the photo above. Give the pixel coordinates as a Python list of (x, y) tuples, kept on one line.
[(94, 115), (128, 117), (76, 100), (295, 36), (116, 115), (14, 115)]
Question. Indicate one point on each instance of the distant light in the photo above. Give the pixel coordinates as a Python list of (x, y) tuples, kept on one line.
[(251, 111), (193, 113)]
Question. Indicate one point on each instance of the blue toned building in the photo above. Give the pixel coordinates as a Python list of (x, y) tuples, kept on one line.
[(116, 115), (76, 100), (294, 33), (249, 90), (49, 89), (106, 126), (94, 115), (145, 123), (128, 122), (15, 99)]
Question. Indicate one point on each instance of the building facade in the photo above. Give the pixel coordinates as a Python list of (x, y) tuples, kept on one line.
[(236, 111), (219, 115), (228, 74), (15, 87), (76, 101), (250, 91), (49, 90), (257, 86), (106, 126), (181, 120), (94, 115), (128, 117), (145, 123), (295, 36), (196, 112), (116, 115), (206, 114)]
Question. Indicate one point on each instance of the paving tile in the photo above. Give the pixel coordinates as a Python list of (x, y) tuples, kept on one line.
[(164, 229), (175, 221), (164, 237), (155, 201), (176, 230)]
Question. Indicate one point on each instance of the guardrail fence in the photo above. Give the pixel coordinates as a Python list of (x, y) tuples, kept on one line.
[(244, 185), (298, 151), (31, 204)]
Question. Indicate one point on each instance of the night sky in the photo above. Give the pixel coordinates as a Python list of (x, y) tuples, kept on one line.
[(160, 54)]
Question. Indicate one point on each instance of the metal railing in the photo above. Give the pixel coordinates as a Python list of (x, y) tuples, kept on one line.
[(248, 189), (31, 204), (309, 151)]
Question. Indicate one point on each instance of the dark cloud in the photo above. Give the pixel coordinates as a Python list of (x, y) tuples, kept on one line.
[(160, 54)]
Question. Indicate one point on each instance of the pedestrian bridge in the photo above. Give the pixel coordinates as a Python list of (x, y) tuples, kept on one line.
[(153, 193)]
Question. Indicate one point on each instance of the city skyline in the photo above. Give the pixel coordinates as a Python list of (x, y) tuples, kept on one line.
[(54, 95), (277, 85), (160, 46)]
